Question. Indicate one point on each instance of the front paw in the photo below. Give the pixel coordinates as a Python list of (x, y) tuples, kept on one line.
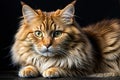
[(28, 71), (51, 73)]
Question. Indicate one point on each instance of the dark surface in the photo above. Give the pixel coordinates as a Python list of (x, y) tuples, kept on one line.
[(87, 12), (12, 75)]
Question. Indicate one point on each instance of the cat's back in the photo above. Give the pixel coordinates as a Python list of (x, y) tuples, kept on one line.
[(105, 37), (103, 27)]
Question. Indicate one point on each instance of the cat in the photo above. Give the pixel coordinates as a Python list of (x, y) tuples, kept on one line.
[(52, 44)]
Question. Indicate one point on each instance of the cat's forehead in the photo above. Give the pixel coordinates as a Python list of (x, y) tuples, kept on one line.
[(46, 16), (46, 22)]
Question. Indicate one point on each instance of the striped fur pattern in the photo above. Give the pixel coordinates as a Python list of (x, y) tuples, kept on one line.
[(52, 44)]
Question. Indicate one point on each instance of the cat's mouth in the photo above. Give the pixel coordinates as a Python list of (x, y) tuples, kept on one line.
[(44, 51), (47, 53)]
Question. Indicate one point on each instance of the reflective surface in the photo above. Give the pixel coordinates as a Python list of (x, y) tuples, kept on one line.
[(12, 75)]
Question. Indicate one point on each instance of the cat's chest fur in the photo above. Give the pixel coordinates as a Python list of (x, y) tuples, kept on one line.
[(72, 61)]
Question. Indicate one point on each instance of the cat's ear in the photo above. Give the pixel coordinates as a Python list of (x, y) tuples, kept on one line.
[(28, 12), (67, 14)]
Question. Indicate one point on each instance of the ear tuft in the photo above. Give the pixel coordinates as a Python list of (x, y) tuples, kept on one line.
[(22, 3)]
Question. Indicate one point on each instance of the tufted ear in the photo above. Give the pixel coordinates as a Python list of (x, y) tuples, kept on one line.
[(67, 13), (28, 12)]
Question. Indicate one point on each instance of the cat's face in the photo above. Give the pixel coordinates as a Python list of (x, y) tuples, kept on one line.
[(49, 37), (51, 33)]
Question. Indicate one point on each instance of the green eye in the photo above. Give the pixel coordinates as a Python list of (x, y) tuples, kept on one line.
[(38, 33), (57, 33)]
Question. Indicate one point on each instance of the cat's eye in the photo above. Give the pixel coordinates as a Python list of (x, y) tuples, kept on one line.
[(57, 33), (38, 33)]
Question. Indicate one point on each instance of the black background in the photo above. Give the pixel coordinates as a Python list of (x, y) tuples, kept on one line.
[(87, 12)]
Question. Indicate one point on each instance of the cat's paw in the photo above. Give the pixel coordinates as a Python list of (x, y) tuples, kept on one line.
[(51, 73), (28, 71)]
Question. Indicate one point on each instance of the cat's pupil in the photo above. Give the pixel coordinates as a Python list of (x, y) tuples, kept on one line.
[(38, 33), (57, 33)]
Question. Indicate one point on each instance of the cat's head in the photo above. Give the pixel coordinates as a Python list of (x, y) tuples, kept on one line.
[(51, 33)]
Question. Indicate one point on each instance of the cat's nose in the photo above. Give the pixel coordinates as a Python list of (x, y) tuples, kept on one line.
[(47, 45), (47, 42)]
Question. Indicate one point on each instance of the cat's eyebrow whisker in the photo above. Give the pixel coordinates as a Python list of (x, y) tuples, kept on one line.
[(21, 17), (76, 16)]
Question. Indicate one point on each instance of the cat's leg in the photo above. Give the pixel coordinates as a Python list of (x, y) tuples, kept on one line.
[(28, 71), (54, 72), (111, 74)]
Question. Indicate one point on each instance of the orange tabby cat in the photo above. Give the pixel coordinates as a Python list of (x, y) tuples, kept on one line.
[(52, 44)]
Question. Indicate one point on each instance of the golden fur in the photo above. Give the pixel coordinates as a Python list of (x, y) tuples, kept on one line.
[(52, 44)]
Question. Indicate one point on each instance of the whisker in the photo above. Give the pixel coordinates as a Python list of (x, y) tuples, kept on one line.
[(76, 16)]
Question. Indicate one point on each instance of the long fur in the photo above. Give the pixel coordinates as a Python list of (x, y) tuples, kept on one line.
[(90, 51)]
